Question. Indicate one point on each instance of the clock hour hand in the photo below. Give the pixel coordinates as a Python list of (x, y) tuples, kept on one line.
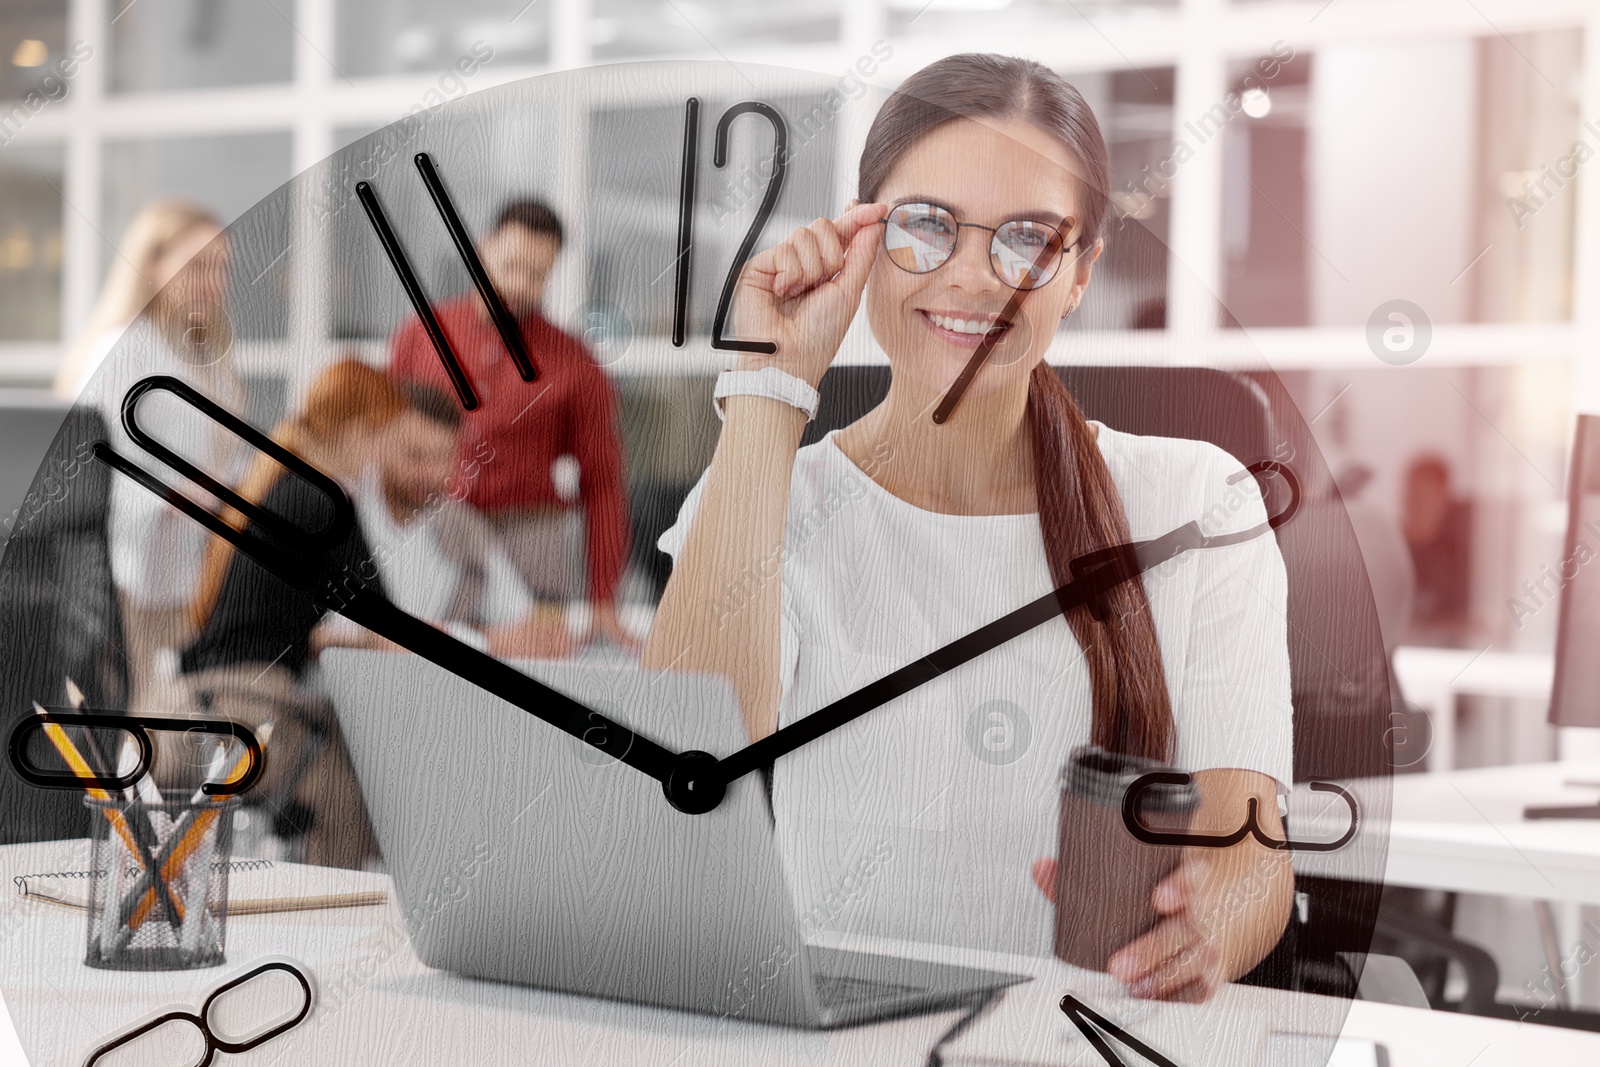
[(298, 557)]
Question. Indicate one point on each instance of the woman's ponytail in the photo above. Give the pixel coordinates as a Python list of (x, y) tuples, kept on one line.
[(1080, 512)]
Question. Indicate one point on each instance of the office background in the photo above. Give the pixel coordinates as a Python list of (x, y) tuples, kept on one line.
[(1432, 151)]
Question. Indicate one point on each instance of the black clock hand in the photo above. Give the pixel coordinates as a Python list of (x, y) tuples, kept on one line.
[(290, 556), (700, 780), (1094, 575), (958, 388), (1090, 1023)]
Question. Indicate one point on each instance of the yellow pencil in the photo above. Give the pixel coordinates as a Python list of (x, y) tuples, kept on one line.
[(80, 767), (195, 834)]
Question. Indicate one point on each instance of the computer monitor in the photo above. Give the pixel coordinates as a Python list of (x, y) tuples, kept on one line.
[(1575, 693), (1575, 696)]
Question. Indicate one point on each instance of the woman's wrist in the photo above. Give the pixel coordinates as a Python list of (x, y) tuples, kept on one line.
[(755, 420), (801, 368), (771, 383)]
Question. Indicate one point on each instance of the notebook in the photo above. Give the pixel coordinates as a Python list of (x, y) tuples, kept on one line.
[(1027, 1028), (255, 887)]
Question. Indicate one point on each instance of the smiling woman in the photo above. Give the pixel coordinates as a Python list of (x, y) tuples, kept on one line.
[(983, 194)]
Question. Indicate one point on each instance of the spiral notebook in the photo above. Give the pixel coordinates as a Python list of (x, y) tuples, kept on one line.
[(255, 887)]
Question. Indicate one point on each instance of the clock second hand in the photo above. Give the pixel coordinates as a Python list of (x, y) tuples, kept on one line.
[(954, 394), (1092, 575)]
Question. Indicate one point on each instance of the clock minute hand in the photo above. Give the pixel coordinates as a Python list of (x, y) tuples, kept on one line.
[(1093, 574), (290, 558)]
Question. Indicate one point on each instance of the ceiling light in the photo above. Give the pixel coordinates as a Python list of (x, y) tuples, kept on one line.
[(31, 52), (1256, 103)]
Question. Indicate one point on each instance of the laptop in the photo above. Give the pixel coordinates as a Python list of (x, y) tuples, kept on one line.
[(520, 854)]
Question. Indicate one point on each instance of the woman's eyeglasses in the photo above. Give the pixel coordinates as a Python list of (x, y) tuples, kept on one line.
[(1023, 253)]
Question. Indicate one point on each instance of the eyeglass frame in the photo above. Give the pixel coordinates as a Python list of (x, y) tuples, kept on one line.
[(993, 230), (215, 1044)]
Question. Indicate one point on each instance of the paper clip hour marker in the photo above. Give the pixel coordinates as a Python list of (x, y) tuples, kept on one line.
[(137, 727), (284, 544), (1250, 828), (201, 1020)]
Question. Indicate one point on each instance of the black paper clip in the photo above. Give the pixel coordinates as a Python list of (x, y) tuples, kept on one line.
[(200, 1021), (286, 541), (1251, 827), (138, 727)]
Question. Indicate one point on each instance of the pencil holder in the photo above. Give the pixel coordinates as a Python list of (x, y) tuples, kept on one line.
[(158, 883)]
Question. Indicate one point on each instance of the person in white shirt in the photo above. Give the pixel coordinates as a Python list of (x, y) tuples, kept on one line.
[(899, 534), (162, 311), (437, 558)]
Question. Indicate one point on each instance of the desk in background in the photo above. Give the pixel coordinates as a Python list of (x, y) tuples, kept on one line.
[(1464, 831), (1432, 678)]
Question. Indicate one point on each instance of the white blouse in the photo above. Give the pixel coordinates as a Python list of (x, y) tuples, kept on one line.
[(921, 819)]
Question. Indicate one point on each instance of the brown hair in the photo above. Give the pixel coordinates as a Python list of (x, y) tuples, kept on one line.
[(536, 215), (201, 331), (1079, 509), (346, 391)]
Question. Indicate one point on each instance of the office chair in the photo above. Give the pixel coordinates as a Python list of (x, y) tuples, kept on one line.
[(60, 613), (1340, 687)]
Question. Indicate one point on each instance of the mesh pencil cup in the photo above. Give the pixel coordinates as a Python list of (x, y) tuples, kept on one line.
[(158, 883)]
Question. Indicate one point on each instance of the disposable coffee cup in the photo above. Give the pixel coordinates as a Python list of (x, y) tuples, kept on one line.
[(1104, 874)]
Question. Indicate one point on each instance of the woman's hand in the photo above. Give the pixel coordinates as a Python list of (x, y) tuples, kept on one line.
[(1183, 956), (803, 293), (335, 631), (1221, 909)]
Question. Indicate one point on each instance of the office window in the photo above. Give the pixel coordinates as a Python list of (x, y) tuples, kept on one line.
[(1438, 172), (1134, 109), (228, 175), (635, 158), (1266, 247), (620, 28), (200, 44), (399, 36), (949, 19), (30, 244), (1532, 141), (33, 38), (485, 158)]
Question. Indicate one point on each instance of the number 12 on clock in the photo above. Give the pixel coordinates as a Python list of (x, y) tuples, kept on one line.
[(686, 194)]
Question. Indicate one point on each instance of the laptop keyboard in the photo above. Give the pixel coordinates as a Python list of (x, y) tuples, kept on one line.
[(837, 990)]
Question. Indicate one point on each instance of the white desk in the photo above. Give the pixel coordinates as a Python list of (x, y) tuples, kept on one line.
[(1432, 678), (398, 1012), (1464, 831)]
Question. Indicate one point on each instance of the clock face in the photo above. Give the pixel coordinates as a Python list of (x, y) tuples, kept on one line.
[(922, 753)]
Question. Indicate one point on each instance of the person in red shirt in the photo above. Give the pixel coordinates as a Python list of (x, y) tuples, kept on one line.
[(510, 443)]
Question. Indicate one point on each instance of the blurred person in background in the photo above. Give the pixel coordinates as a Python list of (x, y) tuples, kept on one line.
[(1438, 531), (394, 450), (1384, 553), (254, 640), (570, 410), (439, 559), (163, 308)]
